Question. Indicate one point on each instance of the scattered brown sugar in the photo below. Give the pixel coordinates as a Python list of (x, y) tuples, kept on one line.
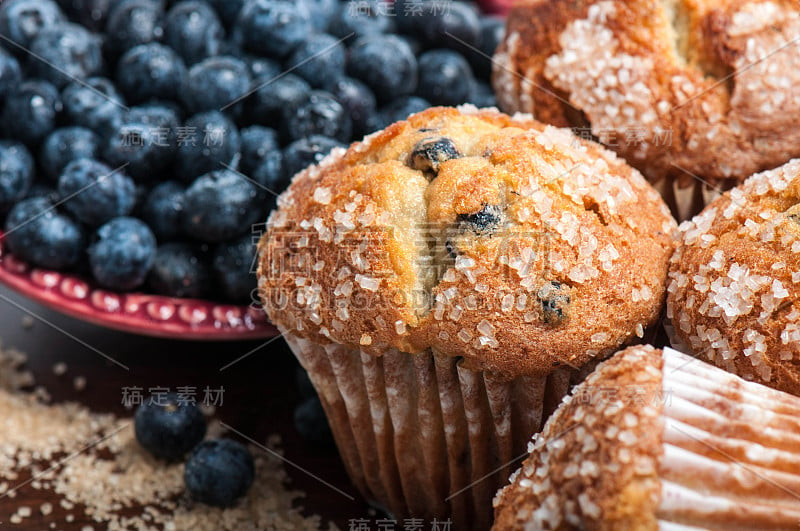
[(93, 462)]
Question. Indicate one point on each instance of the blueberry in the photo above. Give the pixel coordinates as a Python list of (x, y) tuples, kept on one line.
[(132, 23), (163, 208), (96, 192), (218, 472), (37, 233), (10, 74), (273, 27), (193, 30), (400, 109), (16, 173), (228, 10), (151, 71), (481, 94), (22, 20), (145, 150), (322, 13), (385, 64), (219, 206), (491, 33), (217, 83), (319, 60), (233, 268), (169, 426), (306, 151), (358, 101), (430, 152), (64, 145), (74, 52), (456, 26), (180, 270), (211, 142), (262, 68), (359, 18), (444, 77), (91, 14), (271, 176), (554, 298), (273, 96), (94, 104), (42, 190), (163, 116), (320, 114), (486, 219), (257, 143), (31, 111), (123, 254), (312, 424)]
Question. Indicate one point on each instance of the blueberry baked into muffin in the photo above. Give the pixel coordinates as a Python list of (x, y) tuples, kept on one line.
[(445, 280), (658, 440), (696, 95)]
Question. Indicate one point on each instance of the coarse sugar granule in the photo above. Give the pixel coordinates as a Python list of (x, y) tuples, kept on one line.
[(94, 464)]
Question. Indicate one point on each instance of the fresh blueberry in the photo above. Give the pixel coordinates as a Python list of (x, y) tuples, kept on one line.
[(319, 60), (311, 423), (132, 23), (233, 268), (400, 109), (555, 300), (492, 31), (94, 104), (486, 219), (481, 94), (151, 71), (180, 270), (165, 117), (39, 189), (22, 20), (91, 14), (10, 74), (307, 151), (273, 27), (219, 472), (96, 192), (31, 111), (74, 52), (262, 68), (217, 83), (322, 13), (430, 152), (169, 426), (271, 177), (273, 96), (16, 173), (163, 208), (457, 26), (444, 77), (123, 254), (359, 18), (358, 101), (193, 30), (257, 143), (385, 64), (211, 141), (228, 10), (37, 233), (219, 206), (64, 145), (145, 150), (320, 114)]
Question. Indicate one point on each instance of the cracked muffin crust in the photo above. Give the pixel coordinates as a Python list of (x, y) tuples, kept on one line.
[(509, 243), (677, 87)]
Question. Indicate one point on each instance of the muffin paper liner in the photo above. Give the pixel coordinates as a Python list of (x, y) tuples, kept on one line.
[(422, 437), (686, 199)]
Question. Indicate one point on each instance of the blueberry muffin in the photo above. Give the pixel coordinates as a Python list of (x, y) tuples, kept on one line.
[(659, 440), (445, 280), (696, 95), (734, 281)]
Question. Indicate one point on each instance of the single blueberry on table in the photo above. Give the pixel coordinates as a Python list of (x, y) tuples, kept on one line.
[(180, 270), (257, 143), (151, 71), (64, 145), (95, 192), (218, 84), (210, 142), (163, 208), (16, 173), (169, 426), (307, 151), (35, 232), (95, 104), (31, 111), (358, 18), (273, 27), (320, 114), (273, 97), (145, 150), (358, 101), (132, 23), (385, 64), (193, 30), (10, 74), (233, 269), (219, 472), (319, 60), (22, 20), (122, 254), (444, 77), (65, 53), (311, 423), (400, 109), (219, 206)]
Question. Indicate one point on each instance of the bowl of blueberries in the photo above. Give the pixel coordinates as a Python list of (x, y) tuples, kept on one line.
[(143, 143)]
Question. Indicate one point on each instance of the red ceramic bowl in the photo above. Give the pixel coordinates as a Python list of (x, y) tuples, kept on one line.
[(138, 313)]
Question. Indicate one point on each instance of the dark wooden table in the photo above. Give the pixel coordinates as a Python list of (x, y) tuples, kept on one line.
[(259, 397)]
